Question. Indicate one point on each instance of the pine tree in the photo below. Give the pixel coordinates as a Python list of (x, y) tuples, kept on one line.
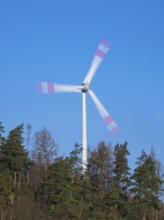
[(146, 185), (66, 190), (5, 181), (80, 196), (14, 160), (100, 175), (2, 131), (121, 180), (57, 188)]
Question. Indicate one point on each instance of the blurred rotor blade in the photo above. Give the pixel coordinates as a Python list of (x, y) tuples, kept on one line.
[(108, 120), (45, 87), (102, 49)]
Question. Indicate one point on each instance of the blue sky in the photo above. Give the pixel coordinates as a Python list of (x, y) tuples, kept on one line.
[(55, 41)]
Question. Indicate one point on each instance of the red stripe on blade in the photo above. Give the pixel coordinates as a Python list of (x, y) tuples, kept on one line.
[(108, 119), (100, 53), (106, 43), (51, 88)]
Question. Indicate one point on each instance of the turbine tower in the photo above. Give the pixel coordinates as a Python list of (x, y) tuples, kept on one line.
[(112, 126)]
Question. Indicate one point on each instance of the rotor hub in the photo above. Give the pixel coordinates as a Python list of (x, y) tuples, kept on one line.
[(85, 87)]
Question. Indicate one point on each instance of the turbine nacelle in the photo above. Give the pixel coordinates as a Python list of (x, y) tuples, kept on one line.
[(85, 87)]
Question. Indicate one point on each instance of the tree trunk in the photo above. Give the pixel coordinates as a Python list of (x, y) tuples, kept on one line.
[(12, 196), (11, 213), (15, 178), (12, 202), (81, 207), (2, 213), (156, 215)]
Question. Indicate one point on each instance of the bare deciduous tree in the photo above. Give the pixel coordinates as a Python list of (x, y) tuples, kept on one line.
[(45, 148)]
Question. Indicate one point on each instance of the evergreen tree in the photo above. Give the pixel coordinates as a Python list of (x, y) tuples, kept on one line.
[(57, 188), (66, 190), (121, 180), (2, 138), (100, 175), (76, 162), (146, 185), (5, 183), (14, 162), (80, 195)]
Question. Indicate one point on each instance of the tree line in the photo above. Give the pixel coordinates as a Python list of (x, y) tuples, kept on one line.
[(39, 184)]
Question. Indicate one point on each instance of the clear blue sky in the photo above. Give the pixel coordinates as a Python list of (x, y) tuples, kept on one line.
[(55, 41)]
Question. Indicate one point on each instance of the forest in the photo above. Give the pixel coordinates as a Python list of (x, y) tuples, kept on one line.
[(36, 183)]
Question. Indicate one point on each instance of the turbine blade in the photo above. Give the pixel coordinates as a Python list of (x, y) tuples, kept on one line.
[(108, 120), (45, 87), (102, 49)]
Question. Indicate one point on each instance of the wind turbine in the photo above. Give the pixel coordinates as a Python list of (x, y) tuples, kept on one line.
[(112, 126)]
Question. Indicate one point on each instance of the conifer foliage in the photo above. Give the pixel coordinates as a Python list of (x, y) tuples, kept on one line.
[(41, 184), (146, 185), (13, 166)]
